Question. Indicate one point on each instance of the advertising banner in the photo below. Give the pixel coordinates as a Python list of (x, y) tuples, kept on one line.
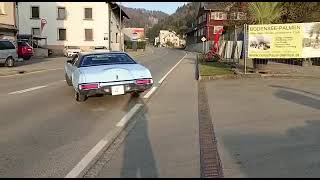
[(295, 40)]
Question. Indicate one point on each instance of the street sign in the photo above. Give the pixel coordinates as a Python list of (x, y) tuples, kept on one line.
[(203, 39)]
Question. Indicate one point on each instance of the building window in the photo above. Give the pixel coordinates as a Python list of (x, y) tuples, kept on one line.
[(35, 12), (241, 16), (116, 37), (88, 33), (233, 16), (2, 9), (62, 34), (61, 13), (35, 31), (218, 16), (87, 13)]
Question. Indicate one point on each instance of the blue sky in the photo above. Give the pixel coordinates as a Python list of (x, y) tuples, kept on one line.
[(167, 7)]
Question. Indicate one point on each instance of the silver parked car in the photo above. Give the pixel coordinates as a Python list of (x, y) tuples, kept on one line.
[(8, 53), (106, 73)]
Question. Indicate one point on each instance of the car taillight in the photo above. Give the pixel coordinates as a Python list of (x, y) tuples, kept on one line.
[(29, 49), (89, 86), (144, 81)]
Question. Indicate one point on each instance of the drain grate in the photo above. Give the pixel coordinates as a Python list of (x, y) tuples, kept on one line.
[(210, 162)]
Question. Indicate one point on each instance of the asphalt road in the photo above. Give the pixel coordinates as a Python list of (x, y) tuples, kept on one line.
[(44, 132)]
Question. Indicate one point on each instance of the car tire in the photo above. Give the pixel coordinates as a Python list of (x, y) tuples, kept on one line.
[(80, 97), (68, 80), (10, 62)]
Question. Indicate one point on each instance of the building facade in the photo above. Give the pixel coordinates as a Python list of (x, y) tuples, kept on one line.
[(8, 26), (84, 24), (134, 34), (213, 16), (166, 37)]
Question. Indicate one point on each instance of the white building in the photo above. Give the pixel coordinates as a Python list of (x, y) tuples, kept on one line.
[(166, 36), (84, 24)]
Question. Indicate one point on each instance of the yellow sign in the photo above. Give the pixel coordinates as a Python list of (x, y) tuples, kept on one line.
[(296, 40)]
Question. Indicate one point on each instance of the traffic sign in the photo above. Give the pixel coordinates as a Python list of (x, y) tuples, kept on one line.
[(203, 39)]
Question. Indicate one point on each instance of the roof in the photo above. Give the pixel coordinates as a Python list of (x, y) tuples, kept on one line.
[(217, 5), (116, 8)]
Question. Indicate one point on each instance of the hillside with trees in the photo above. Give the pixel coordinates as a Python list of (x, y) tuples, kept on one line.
[(180, 21), (142, 18)]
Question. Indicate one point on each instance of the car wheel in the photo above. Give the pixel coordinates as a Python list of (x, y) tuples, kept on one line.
[(10, 62), (135, 94), (27, 58), (68, 80), (80, 97)]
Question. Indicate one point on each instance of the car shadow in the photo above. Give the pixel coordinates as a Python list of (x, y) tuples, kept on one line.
[(138, 158)]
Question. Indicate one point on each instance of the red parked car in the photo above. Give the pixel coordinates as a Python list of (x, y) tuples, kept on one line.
[(25, 51)]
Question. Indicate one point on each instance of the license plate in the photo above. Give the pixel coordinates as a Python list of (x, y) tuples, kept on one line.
[(117, 90)]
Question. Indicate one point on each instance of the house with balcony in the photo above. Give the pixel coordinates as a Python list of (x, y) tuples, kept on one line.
[(167, 37), (8, 26), (212, 16), (84, 24)]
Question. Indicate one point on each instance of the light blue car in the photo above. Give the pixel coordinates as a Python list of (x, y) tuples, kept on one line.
[(106, 73)]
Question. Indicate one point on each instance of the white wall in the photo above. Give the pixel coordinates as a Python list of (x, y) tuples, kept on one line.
[(74, 22)]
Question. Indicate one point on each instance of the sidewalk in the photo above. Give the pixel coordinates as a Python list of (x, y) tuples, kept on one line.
[(165, 139), (34, 64)]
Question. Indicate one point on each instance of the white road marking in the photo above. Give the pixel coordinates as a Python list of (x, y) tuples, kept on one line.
[(35, 88), (129, 115), (99, 148), (164, 77), (150, 92), (32, 72), (27, 90)]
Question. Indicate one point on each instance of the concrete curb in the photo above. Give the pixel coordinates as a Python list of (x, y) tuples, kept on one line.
[(238, 75)]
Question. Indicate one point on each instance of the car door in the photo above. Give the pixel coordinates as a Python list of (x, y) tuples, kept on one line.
[(75, 72), (69, 67), (2, 53)]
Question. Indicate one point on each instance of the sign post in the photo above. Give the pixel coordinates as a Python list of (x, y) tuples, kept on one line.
[(245, 43), (203, 39)]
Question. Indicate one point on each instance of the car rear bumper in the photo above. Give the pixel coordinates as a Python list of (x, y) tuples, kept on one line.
[(106, 90)]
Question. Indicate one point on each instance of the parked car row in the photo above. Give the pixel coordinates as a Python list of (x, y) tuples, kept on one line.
[(10, 53), (70, 51)]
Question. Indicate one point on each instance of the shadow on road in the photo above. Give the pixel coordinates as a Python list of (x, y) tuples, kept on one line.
[(295, 153), (294, 89), (298, 98), (138, 159)]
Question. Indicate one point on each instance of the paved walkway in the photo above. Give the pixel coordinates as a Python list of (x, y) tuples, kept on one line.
[(267, 127), (165, 139)]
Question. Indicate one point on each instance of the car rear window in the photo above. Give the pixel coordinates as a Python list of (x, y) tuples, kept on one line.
[(106, 59), (6, 45)]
